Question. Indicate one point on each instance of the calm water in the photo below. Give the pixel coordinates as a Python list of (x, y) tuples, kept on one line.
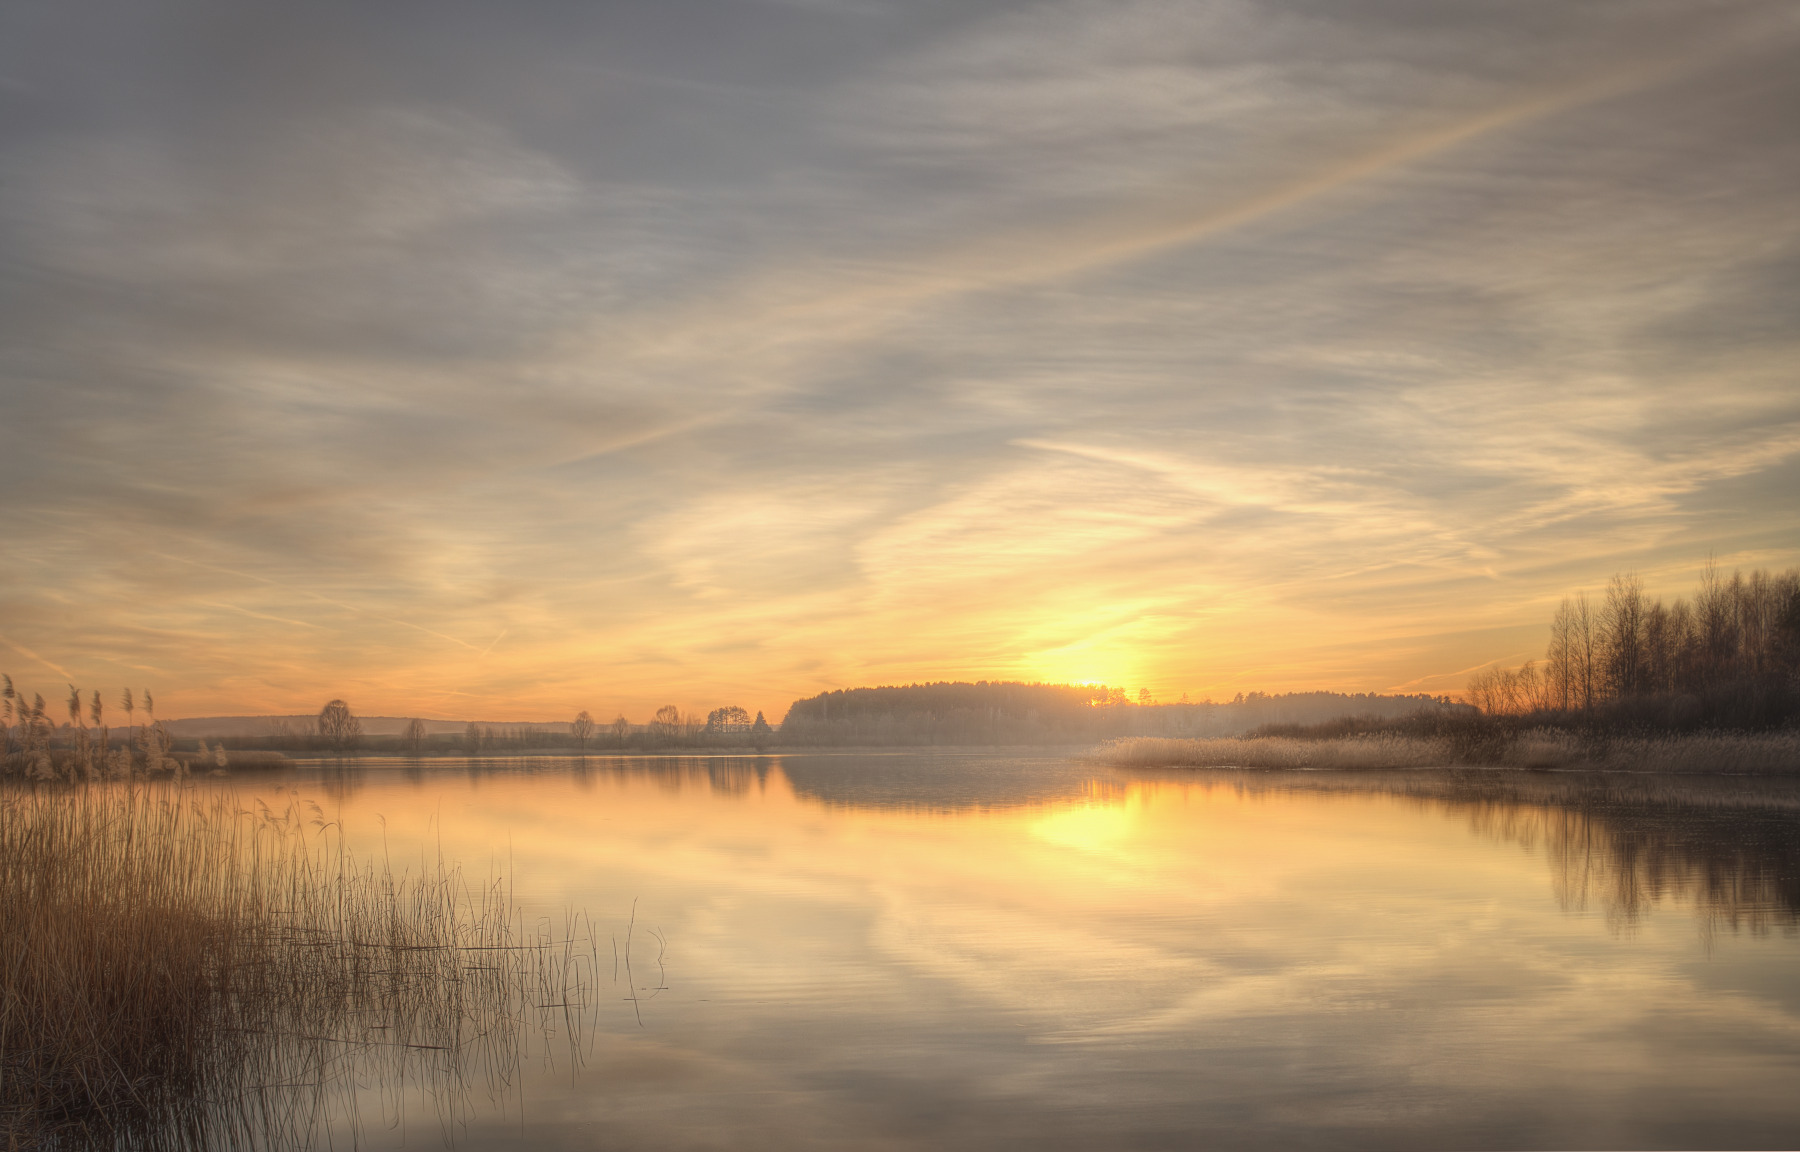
[(908, 951)]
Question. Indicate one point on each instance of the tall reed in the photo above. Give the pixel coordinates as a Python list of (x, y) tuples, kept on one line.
[(178, 973)]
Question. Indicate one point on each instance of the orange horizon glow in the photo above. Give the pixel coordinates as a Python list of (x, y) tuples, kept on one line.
[(1195, 352)]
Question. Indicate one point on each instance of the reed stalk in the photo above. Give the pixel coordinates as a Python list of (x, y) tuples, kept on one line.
[(176, 972)]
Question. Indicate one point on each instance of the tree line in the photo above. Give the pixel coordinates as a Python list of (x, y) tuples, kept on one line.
[(943, 713), (338, 730), (36, 742), (1013, 712), (1729, 657)]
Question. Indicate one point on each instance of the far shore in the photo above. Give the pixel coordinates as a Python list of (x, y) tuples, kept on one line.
[(1531, 750)]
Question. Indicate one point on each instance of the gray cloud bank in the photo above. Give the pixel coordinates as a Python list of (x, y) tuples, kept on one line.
[(528, 351)]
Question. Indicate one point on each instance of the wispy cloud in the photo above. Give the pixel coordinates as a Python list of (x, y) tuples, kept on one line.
[(1209, 346)]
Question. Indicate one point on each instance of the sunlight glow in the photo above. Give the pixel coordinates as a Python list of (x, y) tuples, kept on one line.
[(1089, 828)]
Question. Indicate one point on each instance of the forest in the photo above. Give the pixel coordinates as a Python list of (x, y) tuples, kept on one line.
[(1728, 658), (1009, 712)]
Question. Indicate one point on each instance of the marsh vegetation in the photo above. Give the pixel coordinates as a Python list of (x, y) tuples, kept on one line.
[(177, 972)]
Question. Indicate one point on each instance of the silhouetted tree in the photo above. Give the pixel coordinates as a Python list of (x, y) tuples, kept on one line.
[(1622, 628), (666, 724), (337, 726), (727, 720), (583, 728), (621, 729), (1730, 658), (414, 736)]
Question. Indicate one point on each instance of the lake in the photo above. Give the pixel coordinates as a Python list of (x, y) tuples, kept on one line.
[(980, 950)]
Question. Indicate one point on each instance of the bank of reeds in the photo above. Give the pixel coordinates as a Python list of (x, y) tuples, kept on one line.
[(1716, 753), (177, 973)]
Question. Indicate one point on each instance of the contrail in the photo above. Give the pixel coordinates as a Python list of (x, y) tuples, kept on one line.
[(29, 654), (1118, 236), (314, 595), (1185, 231), (257, 615), (761, 330)]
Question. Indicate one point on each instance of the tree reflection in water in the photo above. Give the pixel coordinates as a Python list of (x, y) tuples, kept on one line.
[(1620, 843)]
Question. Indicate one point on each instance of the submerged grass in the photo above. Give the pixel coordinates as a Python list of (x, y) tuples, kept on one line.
[(178, 973), (1743, 753)]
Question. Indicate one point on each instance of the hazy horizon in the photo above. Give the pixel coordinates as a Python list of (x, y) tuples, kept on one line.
[(518, 361)]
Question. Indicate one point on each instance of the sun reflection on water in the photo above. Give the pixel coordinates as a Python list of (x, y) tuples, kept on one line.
[(1028, 932)]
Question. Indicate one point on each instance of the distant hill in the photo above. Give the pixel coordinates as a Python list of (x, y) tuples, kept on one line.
[(1008, 712)]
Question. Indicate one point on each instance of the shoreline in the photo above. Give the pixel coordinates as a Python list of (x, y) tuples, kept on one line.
[(1533, 751)]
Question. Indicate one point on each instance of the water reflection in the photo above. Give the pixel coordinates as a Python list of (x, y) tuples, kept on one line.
[(968, 951), (1625, 844), (936, 782), (1622, 844)]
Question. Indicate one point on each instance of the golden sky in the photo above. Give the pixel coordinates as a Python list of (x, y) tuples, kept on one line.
[(478, 363)]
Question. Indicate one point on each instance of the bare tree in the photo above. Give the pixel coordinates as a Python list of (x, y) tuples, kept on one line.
[(414, 736), (1732, 655), (1573, 655), (1718, 632), (1622, 629), (472, 738), (1559, 659), (583, 728), (666, 724), (1659, 649), (1583, 645), (1483, 690), (621, 729), (1511, 692), (338, 727)]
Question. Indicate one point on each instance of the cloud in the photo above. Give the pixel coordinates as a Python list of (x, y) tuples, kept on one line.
[(1201, 345)]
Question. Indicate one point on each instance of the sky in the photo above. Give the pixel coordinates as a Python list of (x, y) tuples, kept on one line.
[(501, 360)]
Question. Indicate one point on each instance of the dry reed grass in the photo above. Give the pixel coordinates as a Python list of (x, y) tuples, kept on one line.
[(175, 972), (1714, 753)]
